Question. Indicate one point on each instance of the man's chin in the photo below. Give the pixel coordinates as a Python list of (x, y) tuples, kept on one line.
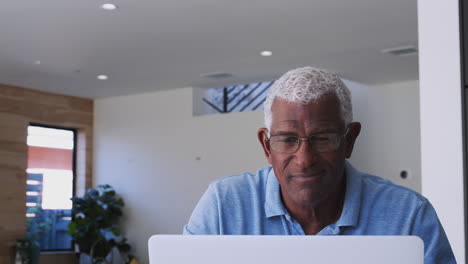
[(309, 198)]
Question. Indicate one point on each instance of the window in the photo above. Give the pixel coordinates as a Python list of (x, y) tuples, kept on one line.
[(50, 185), (236, 98)]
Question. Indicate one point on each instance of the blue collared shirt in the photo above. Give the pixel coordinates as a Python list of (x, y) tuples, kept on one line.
[(249, 204)]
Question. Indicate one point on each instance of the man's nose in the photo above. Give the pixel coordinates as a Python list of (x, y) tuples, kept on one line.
[(306, 155)]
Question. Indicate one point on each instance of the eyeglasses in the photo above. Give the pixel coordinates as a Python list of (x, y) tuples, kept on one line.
[(322, 142)]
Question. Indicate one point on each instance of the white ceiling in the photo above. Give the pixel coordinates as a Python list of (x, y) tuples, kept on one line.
[(149, 45)]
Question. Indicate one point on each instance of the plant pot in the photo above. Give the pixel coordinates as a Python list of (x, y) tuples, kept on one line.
[(27, 252), (85, 259)]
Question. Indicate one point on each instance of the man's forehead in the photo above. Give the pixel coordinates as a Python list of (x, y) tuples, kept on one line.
[(331, 125)]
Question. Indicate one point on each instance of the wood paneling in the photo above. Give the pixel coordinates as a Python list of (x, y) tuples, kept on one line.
[(18, 108), (15, 160)]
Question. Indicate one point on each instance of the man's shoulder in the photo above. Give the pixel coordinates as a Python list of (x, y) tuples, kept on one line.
[(245, 191), (375, 186), (243, 180)]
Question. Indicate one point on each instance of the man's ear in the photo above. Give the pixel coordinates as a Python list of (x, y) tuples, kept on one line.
[(353, 132), (263, 138)]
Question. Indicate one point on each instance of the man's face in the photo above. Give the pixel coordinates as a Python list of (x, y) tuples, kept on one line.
[(308, 177)]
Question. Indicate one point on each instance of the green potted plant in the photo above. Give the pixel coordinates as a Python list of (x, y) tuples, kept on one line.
[(28, 248), (95, 226)]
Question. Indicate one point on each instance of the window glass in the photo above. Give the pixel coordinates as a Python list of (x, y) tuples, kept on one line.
[(50, 185)]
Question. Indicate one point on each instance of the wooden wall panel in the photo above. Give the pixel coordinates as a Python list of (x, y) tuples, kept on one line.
[(14, 160), (18, 108)]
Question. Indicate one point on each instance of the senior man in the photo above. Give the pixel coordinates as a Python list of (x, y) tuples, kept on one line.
[(310, 188)]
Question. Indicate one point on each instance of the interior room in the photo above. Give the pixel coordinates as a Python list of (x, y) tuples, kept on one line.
[(130, 94)]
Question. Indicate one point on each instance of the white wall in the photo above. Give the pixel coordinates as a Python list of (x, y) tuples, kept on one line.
[(441, 115), (160, 158), (389, 142)]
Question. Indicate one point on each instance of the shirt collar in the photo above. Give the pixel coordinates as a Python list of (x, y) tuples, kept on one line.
[(273, 203), (352, 204)]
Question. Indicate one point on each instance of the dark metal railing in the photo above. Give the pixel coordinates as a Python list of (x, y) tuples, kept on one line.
[(238, 98)]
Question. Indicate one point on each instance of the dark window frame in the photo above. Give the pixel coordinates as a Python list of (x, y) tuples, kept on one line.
[(75, 138), (463, 23)]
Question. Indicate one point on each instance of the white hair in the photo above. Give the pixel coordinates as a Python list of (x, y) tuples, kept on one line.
[(305, 85)]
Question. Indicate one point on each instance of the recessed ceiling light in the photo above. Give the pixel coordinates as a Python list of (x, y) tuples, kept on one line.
[(109, 6), (103, 77), (266, 53)]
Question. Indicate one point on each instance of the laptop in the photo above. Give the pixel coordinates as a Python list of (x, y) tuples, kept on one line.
[(206, 249)]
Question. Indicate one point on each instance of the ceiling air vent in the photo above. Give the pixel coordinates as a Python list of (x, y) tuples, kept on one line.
[(217, 75), (402, 51)]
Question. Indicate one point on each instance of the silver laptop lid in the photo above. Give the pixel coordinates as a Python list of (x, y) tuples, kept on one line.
[(180, 249)]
